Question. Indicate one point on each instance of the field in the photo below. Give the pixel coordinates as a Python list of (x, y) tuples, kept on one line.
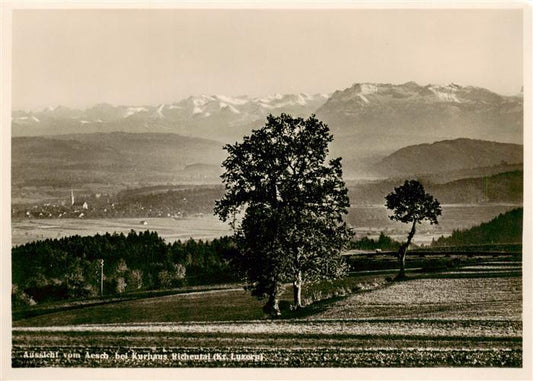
[(170, 229), (365, 220), (466, 316)]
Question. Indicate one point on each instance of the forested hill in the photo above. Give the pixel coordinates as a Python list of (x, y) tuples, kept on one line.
[(114, 158), (505, 228), (449, 155), (501, 187)]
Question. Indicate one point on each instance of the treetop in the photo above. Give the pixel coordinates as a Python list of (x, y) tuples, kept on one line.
[(410, 203), (282, 163)]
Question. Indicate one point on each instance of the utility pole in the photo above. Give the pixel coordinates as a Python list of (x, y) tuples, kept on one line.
[(101, 277)]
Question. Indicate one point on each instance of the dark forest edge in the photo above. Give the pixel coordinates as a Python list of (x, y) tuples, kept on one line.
[(141, 263), (69, 268)]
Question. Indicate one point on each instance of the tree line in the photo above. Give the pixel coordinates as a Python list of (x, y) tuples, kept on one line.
[(504, 228), (383, 242)]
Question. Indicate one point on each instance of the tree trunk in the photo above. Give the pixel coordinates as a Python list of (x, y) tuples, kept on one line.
[(401, 259), (272, 305), (297, 290), (403, 251)]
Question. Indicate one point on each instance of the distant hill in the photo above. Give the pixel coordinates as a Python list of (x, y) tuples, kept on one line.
[(203, 171), (503, 187), (506, 228), (466, 173), (116, 158), (449, 155), (126, 160)]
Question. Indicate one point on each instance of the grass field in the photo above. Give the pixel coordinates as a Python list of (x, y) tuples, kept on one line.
[(462, 317), (170, 229)]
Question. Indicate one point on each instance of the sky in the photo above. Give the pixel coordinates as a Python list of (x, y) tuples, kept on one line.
[(78, 58)]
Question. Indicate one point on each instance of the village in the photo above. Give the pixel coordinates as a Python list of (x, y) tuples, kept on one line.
[(95, 205)]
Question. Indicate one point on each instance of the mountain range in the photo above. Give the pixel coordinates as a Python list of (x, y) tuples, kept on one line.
[(362, 111), (215, 117), (380, 130), (433, 110), (369, 120)]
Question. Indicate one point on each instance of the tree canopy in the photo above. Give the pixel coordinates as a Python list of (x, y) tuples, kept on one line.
[(286, 205), (411, 204)]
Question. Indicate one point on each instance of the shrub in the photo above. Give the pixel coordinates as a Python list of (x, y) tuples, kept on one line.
[(164, 279), (20, 298), (121, 285), (134, 280)]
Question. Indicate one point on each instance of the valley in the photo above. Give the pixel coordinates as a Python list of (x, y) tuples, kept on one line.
[(366, 221), (170, 229)]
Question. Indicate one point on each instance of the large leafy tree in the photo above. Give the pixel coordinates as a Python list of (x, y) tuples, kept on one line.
[(411, 205), (286, 203)]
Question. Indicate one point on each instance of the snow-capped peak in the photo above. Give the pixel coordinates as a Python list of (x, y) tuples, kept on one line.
[(367, 88), (445, 93), (201, 100), (25, 119), (223, 105), (197, 110), (51, 108), (239, 101), (159, 111), (134, 110), (270, 98), (302, 98)]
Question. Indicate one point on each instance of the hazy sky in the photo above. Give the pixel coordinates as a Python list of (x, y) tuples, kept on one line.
[(81, 57)]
